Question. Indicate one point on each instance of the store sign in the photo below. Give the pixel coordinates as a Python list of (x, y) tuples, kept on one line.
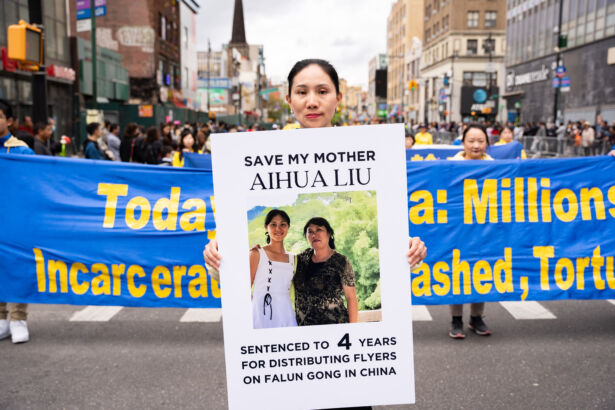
[(146, 111), (59, 71), (513, 79), (478, 100), (214, 83), (7, 63)]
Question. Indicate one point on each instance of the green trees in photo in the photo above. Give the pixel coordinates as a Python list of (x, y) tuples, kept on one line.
[(353, 217)]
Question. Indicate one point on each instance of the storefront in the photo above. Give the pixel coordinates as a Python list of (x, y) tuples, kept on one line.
[(16, 88), (589, 91)]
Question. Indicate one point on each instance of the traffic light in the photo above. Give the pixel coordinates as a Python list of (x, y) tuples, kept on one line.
[(413, 85), (447, 80), (25, 43), (381, 83)]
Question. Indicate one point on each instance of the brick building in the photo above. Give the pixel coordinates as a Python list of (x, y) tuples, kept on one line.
[(462, 65), (146, 33)]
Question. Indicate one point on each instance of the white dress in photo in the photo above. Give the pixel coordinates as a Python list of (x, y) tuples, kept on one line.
[(271, 306)]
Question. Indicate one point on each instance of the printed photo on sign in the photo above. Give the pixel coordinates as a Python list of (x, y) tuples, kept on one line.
[(289, 289)]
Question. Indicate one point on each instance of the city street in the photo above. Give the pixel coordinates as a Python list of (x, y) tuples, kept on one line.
[(556, 354)]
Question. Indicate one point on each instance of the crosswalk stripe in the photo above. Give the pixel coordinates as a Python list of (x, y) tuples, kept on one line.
[(527, 310), (420, 313), (95, 314), (201, 315), (612, 301)]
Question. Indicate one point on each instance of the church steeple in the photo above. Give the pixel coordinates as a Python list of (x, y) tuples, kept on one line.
[(239, 32)]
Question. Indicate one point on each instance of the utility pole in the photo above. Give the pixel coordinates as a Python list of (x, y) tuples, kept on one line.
[(558, 56), (490, 68), (94, 73), (208, 53), (39, 78), (452, 85)]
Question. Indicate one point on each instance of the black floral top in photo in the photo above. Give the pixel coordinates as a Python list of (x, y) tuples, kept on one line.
[(319, 292)]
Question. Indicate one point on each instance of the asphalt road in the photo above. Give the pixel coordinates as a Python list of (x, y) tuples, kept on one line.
[(148, 359)]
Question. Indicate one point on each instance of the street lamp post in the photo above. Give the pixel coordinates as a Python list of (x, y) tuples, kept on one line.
[(557, 59)]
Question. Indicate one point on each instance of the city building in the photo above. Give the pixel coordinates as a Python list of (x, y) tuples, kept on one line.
[(377, 105), (579, 82), (146, 33), (404, 22), (245, 68), (16, 84), (414, 99), (462, 65), (188, 10), (213, 82)]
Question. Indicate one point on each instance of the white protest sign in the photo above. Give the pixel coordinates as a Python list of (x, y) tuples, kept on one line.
[(355, 177)]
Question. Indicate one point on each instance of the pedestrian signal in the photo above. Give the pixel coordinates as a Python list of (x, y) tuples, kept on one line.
[(25, 43), (447, 80), (412, 85)]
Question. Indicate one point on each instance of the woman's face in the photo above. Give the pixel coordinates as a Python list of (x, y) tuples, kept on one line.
[(313, 98), (317, 236), (506, 135), (475, 144), (188, 141), (277, 229)]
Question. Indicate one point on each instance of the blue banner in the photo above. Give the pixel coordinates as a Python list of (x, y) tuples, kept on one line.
[(431, 152), (100, 233)]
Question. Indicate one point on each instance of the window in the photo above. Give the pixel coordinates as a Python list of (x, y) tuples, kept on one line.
[(427, 12), (162, 28), (478, 79), (427, 34), (472, 19), (185, 37), (445, 23), (490, 18), (489, 45), (472, 47), (436, 29)]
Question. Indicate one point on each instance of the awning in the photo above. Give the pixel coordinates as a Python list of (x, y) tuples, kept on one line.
[(513, 94)]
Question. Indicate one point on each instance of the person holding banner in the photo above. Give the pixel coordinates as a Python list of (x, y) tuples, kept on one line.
[(17, 326), (475, 142), (271, 273), (506, 137), (186, 144), (313, 96)]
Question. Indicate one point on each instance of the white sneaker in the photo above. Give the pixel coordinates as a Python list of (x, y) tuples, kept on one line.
[(19, 331), (5, 331)]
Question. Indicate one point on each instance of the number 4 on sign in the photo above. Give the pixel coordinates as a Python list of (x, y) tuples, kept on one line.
[(345, 342)]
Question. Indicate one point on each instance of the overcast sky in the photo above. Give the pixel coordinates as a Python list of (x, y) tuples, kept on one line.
[(348, 33)]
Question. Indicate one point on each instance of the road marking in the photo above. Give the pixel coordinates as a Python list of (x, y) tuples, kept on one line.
[(527, 310), (611, 301), (420, 313), (202, 315), (95, 314)]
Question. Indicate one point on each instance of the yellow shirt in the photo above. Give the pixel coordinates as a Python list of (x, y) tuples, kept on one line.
[(501, 142), (423, 138), (461, 155)]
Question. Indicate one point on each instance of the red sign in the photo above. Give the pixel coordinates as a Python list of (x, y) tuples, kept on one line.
[(58, 71), (7, 63)]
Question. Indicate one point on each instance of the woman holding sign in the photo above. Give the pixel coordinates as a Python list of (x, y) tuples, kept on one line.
[(313, 96), (475, 143)]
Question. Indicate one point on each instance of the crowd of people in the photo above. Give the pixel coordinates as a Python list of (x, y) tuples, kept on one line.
[(574, 138)]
